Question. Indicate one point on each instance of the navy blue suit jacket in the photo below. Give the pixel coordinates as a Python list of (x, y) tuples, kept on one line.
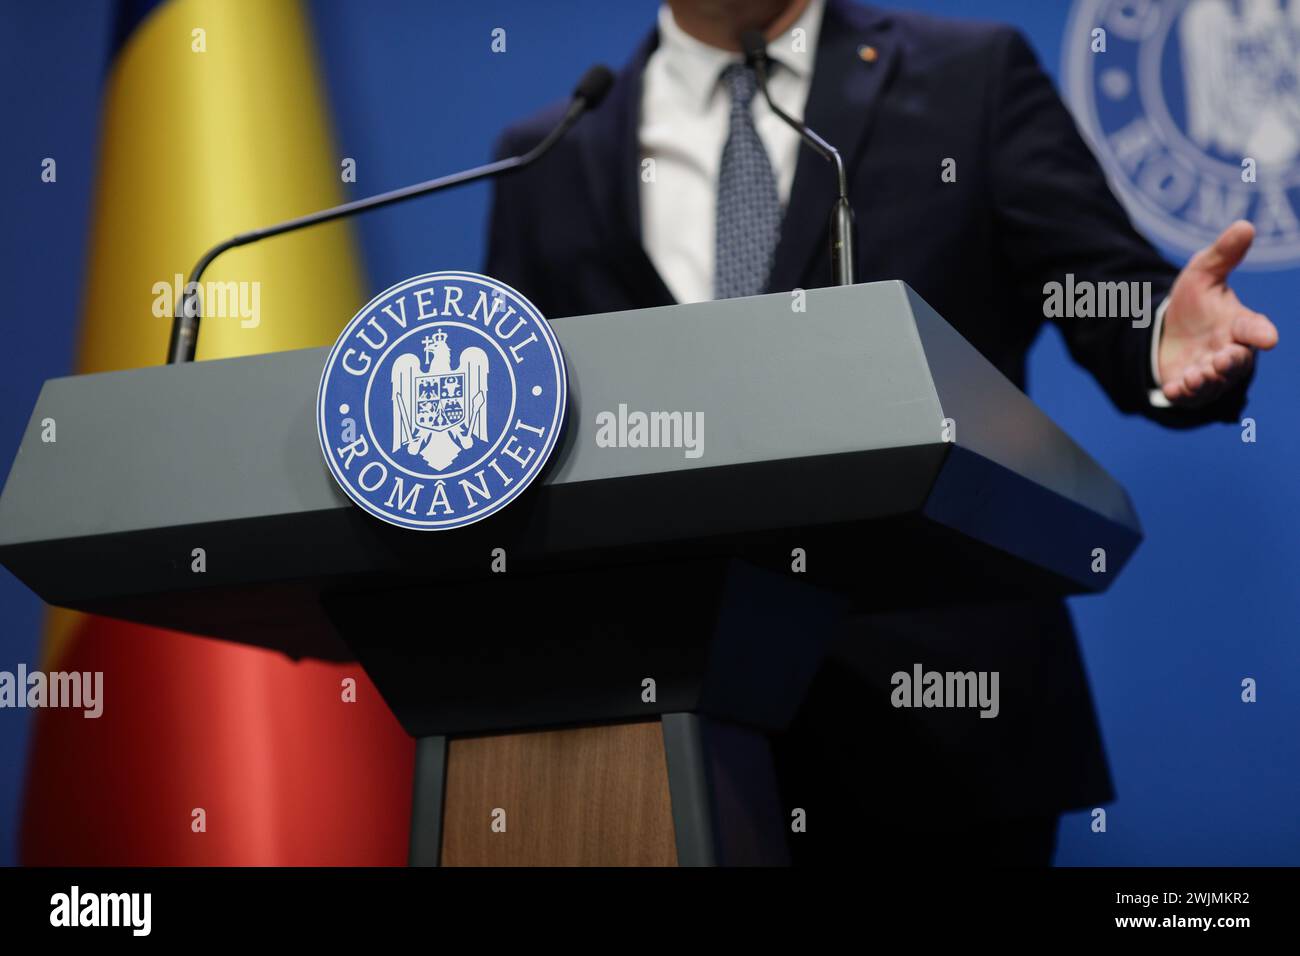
[(1030, 204)]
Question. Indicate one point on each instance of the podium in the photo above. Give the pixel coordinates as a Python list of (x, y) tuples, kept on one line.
[(591, 675)]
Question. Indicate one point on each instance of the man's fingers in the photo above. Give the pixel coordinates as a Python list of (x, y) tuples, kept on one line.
[(1175, 391), (1195, 388), (1254, 330), (1233, 360), (1208, 378), (1226, 252)]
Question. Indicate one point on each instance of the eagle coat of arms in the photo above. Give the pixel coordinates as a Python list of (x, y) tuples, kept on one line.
[(438, 411)]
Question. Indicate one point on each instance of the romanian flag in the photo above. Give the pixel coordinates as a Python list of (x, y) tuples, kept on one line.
[(209, 752)]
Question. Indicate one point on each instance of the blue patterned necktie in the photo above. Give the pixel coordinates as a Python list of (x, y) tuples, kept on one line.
[(749, 210)]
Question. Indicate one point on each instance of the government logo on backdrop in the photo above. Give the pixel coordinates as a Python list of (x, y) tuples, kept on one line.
[(441, 401), (1194, 110)]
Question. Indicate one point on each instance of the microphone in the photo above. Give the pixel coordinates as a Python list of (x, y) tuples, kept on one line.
[(754, 46), (591, 89)]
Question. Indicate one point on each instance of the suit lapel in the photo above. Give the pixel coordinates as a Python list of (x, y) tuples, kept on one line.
[(611, 153), (845, 87)]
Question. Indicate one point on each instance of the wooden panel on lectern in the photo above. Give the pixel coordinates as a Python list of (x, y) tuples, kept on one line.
[(592, 796)]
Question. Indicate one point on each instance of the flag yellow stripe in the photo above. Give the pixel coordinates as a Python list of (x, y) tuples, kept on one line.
[(197, 145)]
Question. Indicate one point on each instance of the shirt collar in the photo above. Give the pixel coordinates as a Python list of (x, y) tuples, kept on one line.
[(696, 65)]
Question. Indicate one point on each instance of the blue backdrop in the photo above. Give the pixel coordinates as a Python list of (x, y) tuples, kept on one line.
[(1209, 599)]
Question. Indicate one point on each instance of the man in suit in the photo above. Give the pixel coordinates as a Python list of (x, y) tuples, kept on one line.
[(684, 186)]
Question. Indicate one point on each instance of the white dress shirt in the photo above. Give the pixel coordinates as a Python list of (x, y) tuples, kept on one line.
[(684, 112), (683, 128)]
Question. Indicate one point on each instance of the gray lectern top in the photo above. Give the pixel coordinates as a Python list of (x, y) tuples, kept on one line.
[(861, 428)]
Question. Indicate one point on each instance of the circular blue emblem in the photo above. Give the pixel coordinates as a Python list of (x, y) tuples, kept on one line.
[(441, 401), (1193, 107)]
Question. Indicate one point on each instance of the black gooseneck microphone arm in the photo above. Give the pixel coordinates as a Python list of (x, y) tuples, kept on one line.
[(842, 226), (591, 89)]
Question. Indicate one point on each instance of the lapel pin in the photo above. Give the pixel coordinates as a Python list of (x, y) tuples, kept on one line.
[(867, 54)]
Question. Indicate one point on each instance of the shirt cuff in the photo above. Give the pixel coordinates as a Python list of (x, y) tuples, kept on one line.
[(1156, 397)]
